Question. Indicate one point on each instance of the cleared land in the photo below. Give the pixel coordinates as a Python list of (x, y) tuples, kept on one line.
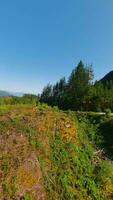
[(46, 154)]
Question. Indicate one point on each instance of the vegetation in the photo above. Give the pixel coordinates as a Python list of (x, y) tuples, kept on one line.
[(25, 99), (49, 154), (79, 92)]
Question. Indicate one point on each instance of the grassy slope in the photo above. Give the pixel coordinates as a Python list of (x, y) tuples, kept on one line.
[(46, 155)]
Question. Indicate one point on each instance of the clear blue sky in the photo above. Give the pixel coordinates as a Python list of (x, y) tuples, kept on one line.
[(43, 40)]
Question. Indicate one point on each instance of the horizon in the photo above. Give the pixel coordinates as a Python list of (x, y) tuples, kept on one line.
[(41, 42), (20, 93)]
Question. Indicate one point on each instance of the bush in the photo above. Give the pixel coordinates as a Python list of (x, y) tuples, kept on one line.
[(108, 112)]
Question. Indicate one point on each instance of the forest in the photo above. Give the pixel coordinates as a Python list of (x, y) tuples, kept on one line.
[(80, 91)]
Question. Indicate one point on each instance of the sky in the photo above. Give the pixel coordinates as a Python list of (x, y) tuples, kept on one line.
[(41, 41)]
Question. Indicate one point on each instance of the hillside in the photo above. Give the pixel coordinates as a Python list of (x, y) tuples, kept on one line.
[(45, 154), (107, 77), (24, 137), (4, 93)]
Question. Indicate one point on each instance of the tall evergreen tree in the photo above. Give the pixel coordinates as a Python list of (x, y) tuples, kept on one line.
[(47, 94), (59, 92), (79, 93), (78, 85)]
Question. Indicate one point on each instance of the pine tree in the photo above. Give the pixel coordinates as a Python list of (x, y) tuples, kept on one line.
[(78, 85)]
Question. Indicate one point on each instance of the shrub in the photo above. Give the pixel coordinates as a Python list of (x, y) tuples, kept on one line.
[(108, 112)]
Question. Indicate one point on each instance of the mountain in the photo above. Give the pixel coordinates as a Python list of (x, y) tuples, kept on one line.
[(4, 93), (107, 77), (17, 94)]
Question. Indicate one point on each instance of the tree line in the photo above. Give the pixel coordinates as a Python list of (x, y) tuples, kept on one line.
[(79, 92)]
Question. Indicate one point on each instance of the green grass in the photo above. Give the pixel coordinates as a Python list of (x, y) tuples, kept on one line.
[(73, 176), (71, 167), (27, 197)]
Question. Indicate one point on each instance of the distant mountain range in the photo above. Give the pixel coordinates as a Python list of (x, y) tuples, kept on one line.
[(5, 93), (107, 77), (17, 94)]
